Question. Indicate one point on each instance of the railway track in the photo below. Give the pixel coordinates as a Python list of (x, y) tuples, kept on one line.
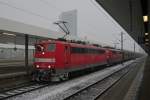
[(20, 90), (90, 92), (94, 91)]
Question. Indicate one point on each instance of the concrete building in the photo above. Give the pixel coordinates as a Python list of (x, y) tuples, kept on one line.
[(71, 18)]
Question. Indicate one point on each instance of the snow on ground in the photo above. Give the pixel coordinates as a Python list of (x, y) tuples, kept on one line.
[(64, 89)]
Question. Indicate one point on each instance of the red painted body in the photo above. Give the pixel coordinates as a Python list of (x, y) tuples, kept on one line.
[(64, 58), (68, 56)]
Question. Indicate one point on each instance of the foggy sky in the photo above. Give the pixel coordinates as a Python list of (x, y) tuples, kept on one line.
[(93, 22)]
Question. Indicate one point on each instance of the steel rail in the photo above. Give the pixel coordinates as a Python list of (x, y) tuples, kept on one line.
[(21, 90), (87, 92)]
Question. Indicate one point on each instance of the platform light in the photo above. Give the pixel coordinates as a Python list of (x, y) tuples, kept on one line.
[(146, 39), (145, 18), (146, 33), (146, 43), (10, 34)]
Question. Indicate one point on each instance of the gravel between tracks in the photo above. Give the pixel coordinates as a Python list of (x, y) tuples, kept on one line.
[(64, 89)]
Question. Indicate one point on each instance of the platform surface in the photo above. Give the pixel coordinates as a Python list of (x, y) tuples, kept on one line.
[(144, 92)]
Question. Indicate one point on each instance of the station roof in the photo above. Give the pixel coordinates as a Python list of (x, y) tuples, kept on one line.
[(7, 25), (129, 14)]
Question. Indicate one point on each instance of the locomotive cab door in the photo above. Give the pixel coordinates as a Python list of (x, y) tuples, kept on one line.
[(66, 55)]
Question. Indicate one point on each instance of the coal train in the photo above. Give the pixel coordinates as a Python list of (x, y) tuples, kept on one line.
[(56, 59)]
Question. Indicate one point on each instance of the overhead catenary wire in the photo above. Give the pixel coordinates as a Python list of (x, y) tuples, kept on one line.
[(39, 15), (32, 13), (50, 4)]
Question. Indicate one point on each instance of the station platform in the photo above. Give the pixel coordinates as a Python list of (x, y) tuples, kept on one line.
[(144, 91)]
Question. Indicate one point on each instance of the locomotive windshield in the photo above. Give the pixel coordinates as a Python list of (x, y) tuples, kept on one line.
[(51, 47), (39, 48)]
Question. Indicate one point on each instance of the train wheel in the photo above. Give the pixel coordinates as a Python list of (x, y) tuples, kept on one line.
[(55, 79), (64, 77)]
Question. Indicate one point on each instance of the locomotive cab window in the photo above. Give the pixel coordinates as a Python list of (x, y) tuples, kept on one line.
[(39, 47), (51, 47)]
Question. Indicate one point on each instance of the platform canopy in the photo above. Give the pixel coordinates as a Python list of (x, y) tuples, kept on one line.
[(15, 27)]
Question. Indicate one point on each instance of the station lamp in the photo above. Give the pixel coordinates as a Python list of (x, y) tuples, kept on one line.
[(146, 33), (146, 40), (145, 18), (146, 43)]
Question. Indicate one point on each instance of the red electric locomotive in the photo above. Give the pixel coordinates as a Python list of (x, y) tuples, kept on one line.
[(114, 56), (55, 59)]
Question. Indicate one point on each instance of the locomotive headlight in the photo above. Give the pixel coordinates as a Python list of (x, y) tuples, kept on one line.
[(49, 66), (43, 53), (37, 66)]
